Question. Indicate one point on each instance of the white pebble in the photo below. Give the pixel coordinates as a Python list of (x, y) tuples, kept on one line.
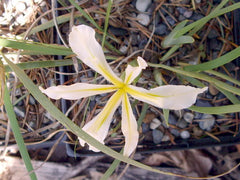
[(188, 117), (21, 19), (143, 19), (187, 14), (155, 123), (185, 134), (19, 112), (20, 6), (142, 5), (123, 49)]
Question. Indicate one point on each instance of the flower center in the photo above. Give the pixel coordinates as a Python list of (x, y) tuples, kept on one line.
[(123, 87)]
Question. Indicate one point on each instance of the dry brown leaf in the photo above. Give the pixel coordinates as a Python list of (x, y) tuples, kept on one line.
[(190, 161), (238, 147), (156, 159), (149, 117)]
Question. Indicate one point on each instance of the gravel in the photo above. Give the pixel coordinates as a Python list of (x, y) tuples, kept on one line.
[(157, 136), (142, 5), (207, 122)]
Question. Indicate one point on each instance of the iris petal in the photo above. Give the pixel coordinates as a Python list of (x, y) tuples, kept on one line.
[(98, 127), (173, 97), (77, 91), (129, 127), (83, 43), (133, 72)]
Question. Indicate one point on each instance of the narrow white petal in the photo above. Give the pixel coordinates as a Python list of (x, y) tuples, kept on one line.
[(129, 127), (77, 91), (167, 97), (133, 72), (83, 43), (98, 127)]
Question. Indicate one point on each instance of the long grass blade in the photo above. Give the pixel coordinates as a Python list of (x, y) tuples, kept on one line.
[(87, 16), (216, 110), (106, 21), (226, 58), (111, 169), (41, 64), (60, 19), (229, 95), (223, 76), (41, 48), (17, 134)]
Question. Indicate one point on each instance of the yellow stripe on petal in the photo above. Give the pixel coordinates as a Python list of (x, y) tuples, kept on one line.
[(83, 43), (108, 75), (77, 91), (99, 126), (129, 127), (167, 97)]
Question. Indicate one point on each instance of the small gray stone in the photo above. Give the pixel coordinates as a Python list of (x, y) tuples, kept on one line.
[(157, 136), (182, 124), (175, 132), (181, 18), (31, 124), (90, 74), (123, 49), (145, 128), (32, 100), (170, 20), (196, 17), (188, 117), (181, 10), (155, 123), (20, 111), (92, 104), (143, 19), (187, 14), (198, 115), (202, 103), (142, 5), (185, 135), (118, 31), (207, 122), (161, 29), (172, 119)]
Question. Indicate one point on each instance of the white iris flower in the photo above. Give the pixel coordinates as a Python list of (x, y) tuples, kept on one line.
[(83, 43)]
